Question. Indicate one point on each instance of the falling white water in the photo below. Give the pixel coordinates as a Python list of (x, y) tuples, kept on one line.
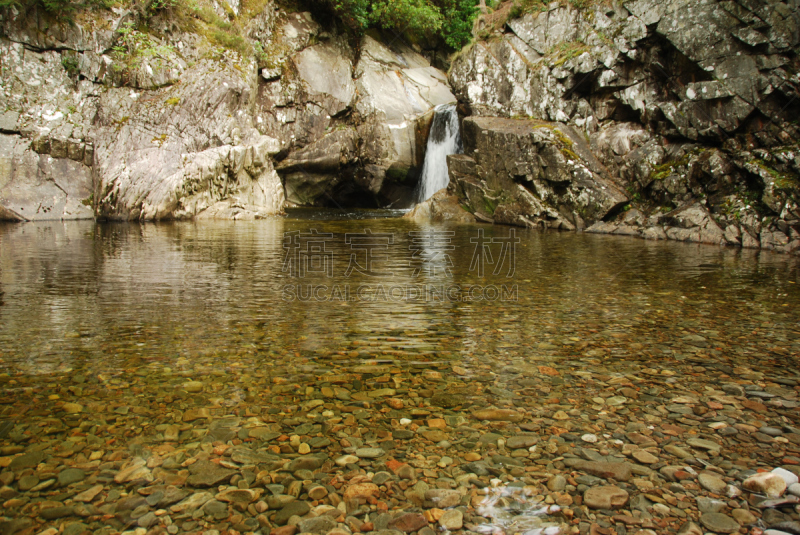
[(443, 139)]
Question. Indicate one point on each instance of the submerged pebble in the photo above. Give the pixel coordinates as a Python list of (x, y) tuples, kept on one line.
[(589, 406)]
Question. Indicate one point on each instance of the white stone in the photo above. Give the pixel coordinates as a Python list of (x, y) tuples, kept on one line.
[(767, 483), (787, 476)]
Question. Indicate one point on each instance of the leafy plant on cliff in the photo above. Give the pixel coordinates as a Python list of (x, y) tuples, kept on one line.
[(60, 8), (226, 33), (450, 20), (782, 181), (70, 64), (457, 22), (134, 46), (522, 7)]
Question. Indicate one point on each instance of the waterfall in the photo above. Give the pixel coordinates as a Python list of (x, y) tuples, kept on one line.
[(443, 139)]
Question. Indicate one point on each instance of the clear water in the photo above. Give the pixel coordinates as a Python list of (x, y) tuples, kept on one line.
[(181, 296), (136, 311)]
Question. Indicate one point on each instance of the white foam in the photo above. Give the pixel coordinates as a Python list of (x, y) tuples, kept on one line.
[(443, 139)]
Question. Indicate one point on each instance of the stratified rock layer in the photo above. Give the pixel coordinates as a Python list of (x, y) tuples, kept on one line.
[(688, 106)]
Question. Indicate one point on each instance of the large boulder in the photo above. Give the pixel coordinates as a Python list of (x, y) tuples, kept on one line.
[(175, 153), (531, 173), (687, 106), (35, 187), (326, 74), (443, 206)]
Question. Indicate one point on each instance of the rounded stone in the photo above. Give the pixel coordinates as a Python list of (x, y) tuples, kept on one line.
[(712, 483), (606, 497), (290, 510), (645, 457), (193, 386), (361, 490), (767, 483), (27, 482), (72, 408), (719, 523), (408, 522), (317, 493), (406, 472), (346, 459), (452, 520), (320, 524), (557, 483), (710, 505), (744, 517), (789, 477), (703, 444), (70, 475), (369, 453)]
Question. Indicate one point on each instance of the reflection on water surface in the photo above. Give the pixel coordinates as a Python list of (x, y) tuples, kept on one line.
[(134, 353)]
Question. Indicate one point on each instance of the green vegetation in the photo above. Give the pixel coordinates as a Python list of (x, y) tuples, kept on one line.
[(70, 64), (60, 8), (634, 195), (457, 16), (565, 144), (660, 172), (67, 8), (173, 101), (450, 20), (780, 180), (490, 205), (396, 174), (222, 32), (567, 51), (122, 121), (521, 7), (134, 46)]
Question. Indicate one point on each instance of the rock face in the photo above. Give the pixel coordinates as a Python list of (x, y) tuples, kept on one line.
[(662, 120), (531, 173), (188, 154), (688, 107), (441, 207), (46, 162), (181, 127), (37, 186), (354, 127)]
